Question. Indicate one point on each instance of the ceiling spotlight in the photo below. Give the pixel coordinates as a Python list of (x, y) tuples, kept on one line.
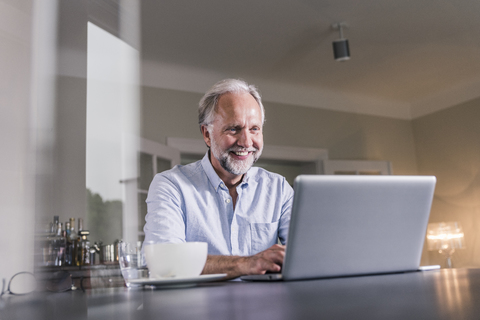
[(341, 52)]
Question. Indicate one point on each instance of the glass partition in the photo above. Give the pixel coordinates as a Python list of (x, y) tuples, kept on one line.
[(112, 137)]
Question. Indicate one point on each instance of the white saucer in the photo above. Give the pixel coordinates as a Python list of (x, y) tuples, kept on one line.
[(178, 282)]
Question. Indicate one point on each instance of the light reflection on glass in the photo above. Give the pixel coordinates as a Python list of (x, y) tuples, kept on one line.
[(112, 136)]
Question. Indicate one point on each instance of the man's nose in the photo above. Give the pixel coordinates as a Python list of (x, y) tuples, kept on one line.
[(245, 139)]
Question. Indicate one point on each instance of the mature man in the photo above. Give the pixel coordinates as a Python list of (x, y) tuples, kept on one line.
[(239, 210)]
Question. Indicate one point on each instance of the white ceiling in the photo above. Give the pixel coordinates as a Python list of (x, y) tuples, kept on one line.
[(408, 57)]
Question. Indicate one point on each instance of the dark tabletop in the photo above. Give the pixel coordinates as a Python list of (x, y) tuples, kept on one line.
[(440, 294)]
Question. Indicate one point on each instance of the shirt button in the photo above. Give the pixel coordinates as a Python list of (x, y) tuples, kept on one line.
[(227, 201), (222, 185)]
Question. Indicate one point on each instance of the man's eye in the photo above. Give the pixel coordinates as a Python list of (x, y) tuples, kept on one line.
[(233, 130)]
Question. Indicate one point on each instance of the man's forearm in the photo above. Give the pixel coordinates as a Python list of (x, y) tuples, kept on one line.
[(231, 265), (269, 260)]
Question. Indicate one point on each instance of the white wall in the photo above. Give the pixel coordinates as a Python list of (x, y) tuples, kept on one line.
[(16, 211)]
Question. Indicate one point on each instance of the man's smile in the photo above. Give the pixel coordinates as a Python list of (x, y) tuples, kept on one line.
[(241, 153)]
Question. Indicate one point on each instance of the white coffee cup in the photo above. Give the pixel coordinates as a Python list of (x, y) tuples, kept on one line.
[(167, 260)]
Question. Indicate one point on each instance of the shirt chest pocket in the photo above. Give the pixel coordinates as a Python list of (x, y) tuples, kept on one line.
[(264, 235)]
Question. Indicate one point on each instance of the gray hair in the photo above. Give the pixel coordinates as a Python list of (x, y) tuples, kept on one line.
[(208, 104)]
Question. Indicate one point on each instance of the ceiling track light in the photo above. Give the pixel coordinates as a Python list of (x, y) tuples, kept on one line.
[(341, 51)]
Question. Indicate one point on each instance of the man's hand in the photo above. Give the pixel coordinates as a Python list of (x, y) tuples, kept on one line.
[(270, 260)]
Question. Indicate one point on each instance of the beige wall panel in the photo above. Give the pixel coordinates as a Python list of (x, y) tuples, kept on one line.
[(346, 135), (170, 113), (448, 146)]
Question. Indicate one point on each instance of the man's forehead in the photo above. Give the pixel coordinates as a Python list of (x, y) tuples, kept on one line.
[(239, 124), (237, 119), (233, 104)]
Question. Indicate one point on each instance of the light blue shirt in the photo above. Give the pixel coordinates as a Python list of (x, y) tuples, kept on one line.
[(191, 203)]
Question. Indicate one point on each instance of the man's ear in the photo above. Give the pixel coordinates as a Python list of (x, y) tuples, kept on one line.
[(206, 135)]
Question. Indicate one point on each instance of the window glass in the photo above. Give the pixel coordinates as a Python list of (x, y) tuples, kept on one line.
[(112, 134)]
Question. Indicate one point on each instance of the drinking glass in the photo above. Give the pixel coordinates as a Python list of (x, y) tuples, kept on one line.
[(132, 262)]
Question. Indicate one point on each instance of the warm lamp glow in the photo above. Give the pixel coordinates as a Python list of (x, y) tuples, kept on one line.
[(445, 237)]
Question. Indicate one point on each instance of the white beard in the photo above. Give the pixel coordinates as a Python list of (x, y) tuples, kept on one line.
[(231, 165)]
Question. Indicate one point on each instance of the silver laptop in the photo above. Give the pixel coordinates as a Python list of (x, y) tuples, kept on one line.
[(355, 225)]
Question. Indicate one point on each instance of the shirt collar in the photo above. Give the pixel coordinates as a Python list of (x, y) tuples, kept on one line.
[(250, 178), (210, 172)]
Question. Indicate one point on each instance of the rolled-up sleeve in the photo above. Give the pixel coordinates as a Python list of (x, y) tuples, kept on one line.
[(165, 219)]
